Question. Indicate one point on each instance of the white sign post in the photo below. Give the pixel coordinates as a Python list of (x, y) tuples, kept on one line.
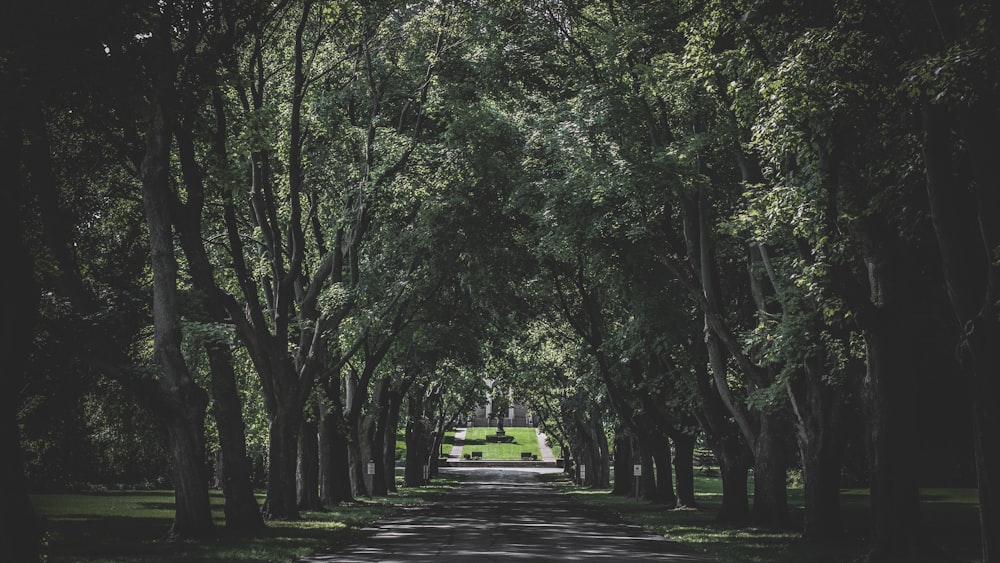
[(583, 473), (371, 478), (637, 472)]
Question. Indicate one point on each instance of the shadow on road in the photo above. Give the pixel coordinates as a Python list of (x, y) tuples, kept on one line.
[(505, 514)]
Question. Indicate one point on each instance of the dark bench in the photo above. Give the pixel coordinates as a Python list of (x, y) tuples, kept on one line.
[(528, 456), (477, 455)]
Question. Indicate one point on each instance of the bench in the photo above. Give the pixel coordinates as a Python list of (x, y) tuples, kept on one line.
[(477, 455), (528, 456)]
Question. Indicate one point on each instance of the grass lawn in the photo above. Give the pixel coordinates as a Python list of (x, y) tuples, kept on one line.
[(129, 526), (950, 517), (446, 443), (525, 440)]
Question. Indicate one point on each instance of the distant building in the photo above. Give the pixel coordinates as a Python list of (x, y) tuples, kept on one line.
[(516, 414)]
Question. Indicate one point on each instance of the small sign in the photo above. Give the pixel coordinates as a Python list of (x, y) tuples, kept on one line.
[(427, 472), (637, 470), (371, 467), (583, 471)]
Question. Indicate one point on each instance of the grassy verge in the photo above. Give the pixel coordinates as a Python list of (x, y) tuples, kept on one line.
[(129, 526), (950, 517), (447, 442), (525, 440)]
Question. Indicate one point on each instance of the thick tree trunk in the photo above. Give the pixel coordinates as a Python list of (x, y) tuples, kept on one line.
[(391, 424), (664, 474), (20, 528), (684, 468), (965, 223), (770, 488), (377, 436), (602, 477), (180, 403), (821, 471), (418, 438), (734, 466), (335, 474), (727, 444), (307, 464), (819, 418), (282, 501), (623, 464), (241, 508), (888, 408), (185, 430), (888, 398), (358, 463)]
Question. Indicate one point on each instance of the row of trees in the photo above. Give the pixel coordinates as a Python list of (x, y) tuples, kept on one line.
[(767, 222)]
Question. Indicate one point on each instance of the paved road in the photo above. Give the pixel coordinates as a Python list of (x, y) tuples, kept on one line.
[(506, 514)]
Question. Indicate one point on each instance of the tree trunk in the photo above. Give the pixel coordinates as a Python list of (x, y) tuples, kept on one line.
[(307, 464), (20, 528), (602, 478), (391, 424), (418, 438), (377, 433), (895, 502), (282, 449), (821, 471), (684, 468), (734, 466), (180, 403), (819, 418), (623, 464), (770, 487), (726, 442), (965, 226), (664, 473), (335, 476), (889, 403), (241, 508)]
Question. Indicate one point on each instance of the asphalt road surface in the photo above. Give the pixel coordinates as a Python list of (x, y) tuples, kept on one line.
[(505, 514)]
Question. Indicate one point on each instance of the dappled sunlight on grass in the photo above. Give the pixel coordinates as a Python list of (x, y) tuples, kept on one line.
[(132, 526), (950, 517)]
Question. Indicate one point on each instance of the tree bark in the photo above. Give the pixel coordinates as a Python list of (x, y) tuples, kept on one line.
[(281, 502), (819, 421), (181, 403), (418, 438), (241, 508), (391, 424), (889, 402), (307, 464), (726, 441), (684, 468), (377, 414), (20, 528), (335, 473), (623, 464), (965, 225), (770, 488)]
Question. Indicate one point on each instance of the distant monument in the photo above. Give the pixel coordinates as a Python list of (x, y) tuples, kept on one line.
[(501, 435)]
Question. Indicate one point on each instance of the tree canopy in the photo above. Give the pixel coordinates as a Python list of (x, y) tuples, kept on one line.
[(263, 237)]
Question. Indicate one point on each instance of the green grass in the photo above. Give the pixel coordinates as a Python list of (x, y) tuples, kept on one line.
[(525, 440), (447, 442), (950, 517), (130, 526)]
